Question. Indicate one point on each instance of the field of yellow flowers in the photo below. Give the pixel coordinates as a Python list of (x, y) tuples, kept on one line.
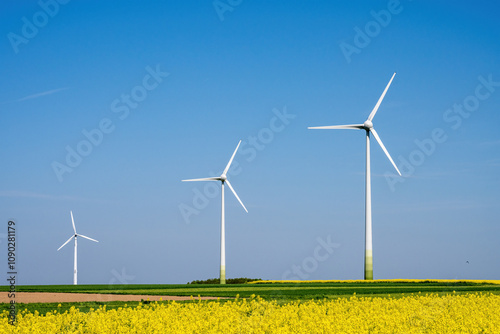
[(417, 313)]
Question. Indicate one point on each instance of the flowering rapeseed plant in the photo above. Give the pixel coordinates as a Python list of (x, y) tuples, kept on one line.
[(467, 313)]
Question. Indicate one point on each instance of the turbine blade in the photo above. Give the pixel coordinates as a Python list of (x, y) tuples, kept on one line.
[(374, 111), (350, 126), (64, 244), (383, 148), (231, 160), (204, 179), (73, 221), (81, 235), (234, 192)]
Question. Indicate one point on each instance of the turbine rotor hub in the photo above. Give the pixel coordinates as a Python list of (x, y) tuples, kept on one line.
[(223, 177), (368, 124)]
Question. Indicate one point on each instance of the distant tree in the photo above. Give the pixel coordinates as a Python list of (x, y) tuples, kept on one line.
[(241, 280)]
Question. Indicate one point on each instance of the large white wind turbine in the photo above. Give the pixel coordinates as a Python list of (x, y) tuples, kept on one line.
[(368, 127), (76, 235), (224, 180)]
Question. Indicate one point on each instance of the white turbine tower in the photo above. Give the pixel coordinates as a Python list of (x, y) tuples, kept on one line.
[(368, 127), (224, 180), (76, 235)]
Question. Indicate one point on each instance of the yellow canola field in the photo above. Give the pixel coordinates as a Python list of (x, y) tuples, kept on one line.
[(467, 313)]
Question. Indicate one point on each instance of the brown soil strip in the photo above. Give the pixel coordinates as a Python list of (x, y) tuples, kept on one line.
[(55, 297)]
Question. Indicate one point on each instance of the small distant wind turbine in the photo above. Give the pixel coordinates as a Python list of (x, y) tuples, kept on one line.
[(368, 127), (76, 235), (224, 180)]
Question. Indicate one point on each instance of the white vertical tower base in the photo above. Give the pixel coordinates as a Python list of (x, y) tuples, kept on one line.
[(368, 215), (222, 242), (75, 271)]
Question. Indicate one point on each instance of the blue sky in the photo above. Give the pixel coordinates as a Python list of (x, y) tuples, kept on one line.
[(166, 90)]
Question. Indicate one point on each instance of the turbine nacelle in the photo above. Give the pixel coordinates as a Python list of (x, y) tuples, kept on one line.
[(368, 125)]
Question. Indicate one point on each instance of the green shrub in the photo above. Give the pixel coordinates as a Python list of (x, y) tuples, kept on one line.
[(241, 280)]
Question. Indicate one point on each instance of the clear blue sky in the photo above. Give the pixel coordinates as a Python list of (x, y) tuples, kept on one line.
[(166, 90)]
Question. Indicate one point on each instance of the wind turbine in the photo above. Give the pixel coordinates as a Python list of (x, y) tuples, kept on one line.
[(224, 180), (368, 127), (75, 236)]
